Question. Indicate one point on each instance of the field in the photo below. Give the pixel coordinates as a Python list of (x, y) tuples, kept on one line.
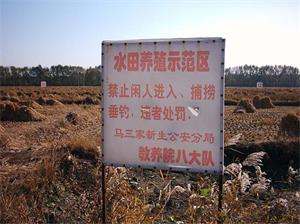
[(50, 166), (276, 94)]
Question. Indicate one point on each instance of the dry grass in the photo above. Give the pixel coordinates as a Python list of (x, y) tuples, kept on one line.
[(23, 191), (49, 174), (133, 196), (56, 180), (53, 95)]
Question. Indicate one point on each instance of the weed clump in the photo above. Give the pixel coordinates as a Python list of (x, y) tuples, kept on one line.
[(73, 118), (10, 111), (290, 125)]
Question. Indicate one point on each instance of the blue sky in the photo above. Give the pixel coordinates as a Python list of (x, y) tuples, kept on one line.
[(70, 32)]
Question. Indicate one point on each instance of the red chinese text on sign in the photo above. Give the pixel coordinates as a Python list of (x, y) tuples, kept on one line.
[(162, 61)]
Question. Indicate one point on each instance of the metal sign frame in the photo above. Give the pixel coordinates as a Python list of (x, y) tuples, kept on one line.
[(222, 96)]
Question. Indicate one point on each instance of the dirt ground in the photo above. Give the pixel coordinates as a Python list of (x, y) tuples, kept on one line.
[(261, 126), (49, 169)]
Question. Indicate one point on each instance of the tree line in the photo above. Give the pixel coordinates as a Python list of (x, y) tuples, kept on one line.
[(247, 75), (272, 76), (57, 75)]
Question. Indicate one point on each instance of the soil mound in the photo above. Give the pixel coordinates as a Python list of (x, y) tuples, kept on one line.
[(10, 111)]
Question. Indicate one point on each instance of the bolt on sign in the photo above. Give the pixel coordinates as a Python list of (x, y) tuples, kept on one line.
[(163, 104)]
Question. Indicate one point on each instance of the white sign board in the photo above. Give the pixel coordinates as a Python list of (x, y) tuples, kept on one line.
[(43, 84), (163, 104), (259, 85)]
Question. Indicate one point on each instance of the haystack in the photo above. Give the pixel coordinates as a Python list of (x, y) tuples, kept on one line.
[(262, 103), (35, 105), (256, 102), (47, 101), (31, 104), (266, 102), (53, 102), (88, 100), (14, 99), (246, 105), (10, 111), (290, 125), (41, 100)]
